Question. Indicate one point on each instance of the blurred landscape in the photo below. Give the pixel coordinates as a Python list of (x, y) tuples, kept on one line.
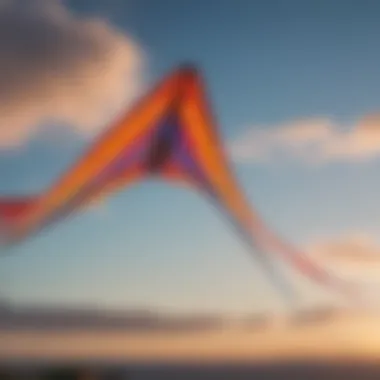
[(49, 333), (325, 343)]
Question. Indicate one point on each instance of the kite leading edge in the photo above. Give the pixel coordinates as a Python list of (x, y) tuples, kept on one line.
[(170, 134)]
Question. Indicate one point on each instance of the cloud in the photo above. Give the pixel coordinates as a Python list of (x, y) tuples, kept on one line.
[(355, 249), (57, 68), (317, 140)]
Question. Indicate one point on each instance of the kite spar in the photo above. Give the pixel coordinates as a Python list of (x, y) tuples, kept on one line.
[(170, 134)]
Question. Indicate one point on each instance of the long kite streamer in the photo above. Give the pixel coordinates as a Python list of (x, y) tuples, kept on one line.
[(172, 135)]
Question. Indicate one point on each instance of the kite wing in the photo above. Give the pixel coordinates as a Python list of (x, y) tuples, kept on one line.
[(170, 134), (12, 210)]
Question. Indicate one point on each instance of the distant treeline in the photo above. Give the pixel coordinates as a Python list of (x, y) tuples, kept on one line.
[(42, 318), (53, 318)]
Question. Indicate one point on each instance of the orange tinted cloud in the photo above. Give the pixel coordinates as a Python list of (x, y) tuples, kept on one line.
[(354, 248)]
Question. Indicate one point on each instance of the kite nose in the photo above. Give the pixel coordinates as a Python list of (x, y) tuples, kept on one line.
[(188, 68)]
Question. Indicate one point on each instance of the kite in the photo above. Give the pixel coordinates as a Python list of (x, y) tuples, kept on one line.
[(170, 134)]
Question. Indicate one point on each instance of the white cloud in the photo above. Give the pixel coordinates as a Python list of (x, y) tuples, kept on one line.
[(311, 140), (57, 67)]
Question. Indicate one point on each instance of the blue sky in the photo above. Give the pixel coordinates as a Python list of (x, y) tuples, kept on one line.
[(267, 64)]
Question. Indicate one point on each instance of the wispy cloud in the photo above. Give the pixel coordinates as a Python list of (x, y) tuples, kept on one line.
[(318, 140), (57, 67), (354, 249)]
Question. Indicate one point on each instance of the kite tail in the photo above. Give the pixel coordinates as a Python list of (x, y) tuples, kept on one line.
[(278, 278), (305, 265)]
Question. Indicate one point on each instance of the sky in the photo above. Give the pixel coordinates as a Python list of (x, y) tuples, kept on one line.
[(295, 87)]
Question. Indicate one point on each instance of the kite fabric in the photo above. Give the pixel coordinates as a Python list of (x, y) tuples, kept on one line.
[(170, 134)]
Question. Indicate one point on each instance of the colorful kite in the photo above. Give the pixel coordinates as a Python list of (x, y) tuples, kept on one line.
[(169, 134)]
